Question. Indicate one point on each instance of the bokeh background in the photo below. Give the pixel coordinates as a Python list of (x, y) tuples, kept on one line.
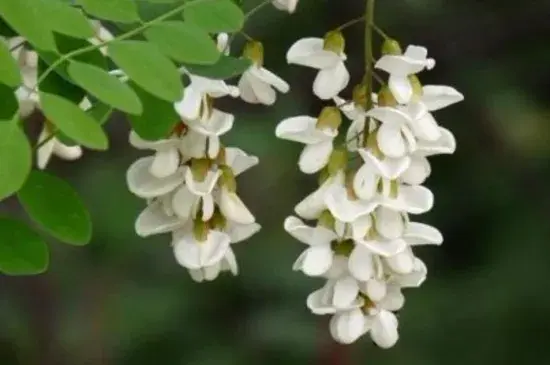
[(123, 300)]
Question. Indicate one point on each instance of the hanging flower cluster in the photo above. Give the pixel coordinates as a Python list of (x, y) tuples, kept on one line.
[(29, 101), (362, 238), (190, 181)]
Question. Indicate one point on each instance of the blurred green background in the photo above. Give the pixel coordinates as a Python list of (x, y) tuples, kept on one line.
[(124, 300)]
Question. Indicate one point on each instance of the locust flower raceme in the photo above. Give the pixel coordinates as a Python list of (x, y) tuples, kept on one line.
[(362, 241)]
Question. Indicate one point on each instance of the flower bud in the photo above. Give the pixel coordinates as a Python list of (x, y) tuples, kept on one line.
[(199, 168), (254, 51), (386, 98), (227, 179), (334, 41), (360, 95), (326, 220), (323, 176), (391, 47), (338, 161), (218, 221), (200, 230), (330, 117)]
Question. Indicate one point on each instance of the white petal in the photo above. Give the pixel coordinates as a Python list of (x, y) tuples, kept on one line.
[(330, 81), (384, 329), (317, 260), (416, 52), (214, 249), (390, 141), (389, 116), (426, 128), (187, 252), (213, 146), (317, 304), (402, 263), (189, 106), (413, 279), (343, 208), (192, 144), (420, 233), (354, 135), (401, 88), (360, 263), (242, 232), (247, 92), (338, 269), (143, 144), (165, 163), (238, 160), (314, 204), (418, 171), (384, 248), (153, 220), (390, 168), (302, 129), (143, 184), (348, 326), (375, 289), (309, 52), (212, 272), (364, 182), (437, 97), (315, 156), (345, 292), (229, 262), (417, 199), (400, 65), (361, 226), (389, 223), (220, 122), (270, 78), (44, 153), (207, 207), (234, 209), (446, 144), (205, 187), (184, 202), (197, 275), (65, 152)]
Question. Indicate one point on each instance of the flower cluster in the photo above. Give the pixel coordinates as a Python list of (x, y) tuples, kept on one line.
[(190, 181), (362, 238), (29, 101)]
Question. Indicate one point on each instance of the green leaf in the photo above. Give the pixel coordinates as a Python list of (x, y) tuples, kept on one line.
[(25, 18), (22, 251), (54, 83), (147, 67), (215, 16), (123, 11), (15, 160), (100, 112), (56, 207), (64, 18), (105, 87), (158, 118), (226, 68), (9, 70), (184, 42), (8, 103), (73, 121)]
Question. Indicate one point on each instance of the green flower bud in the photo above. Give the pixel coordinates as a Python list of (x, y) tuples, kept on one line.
[(330, 117), (323, 176), (416, 86), (218, 221), (386, 98), (254, 51), (200, 168), (326, 220), (360, 95), (391, 47), (338, 161), (334, 41), (200, 230), (227, 179)]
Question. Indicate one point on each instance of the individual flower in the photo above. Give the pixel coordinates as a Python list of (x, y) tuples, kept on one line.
[(326, 55), (286, 5), (401, 67), (316, 133), (167, 157), (50, 145), (257, 84)]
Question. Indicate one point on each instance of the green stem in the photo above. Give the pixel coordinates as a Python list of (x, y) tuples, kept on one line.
[(369, 58), (350, 23), (380, 31), (251, 12)]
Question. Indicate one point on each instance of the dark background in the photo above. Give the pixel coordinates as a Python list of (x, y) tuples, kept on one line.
[(124, 300)]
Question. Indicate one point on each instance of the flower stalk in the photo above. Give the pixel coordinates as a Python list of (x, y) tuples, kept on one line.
[(369, 59)]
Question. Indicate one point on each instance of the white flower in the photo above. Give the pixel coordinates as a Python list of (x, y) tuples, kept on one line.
[(347, 208), (318, 141), (336, 295), (394, 136), (436, 97), (167, 157), (400, 67), (54, 147), (257, 85), (286, 5), (346, 327), (233, 208), (145, 185), (193, 254), (382, 325), (212, 125), (332, 77), (408, 199), (314, 204), (318, 258), (155, 220)]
